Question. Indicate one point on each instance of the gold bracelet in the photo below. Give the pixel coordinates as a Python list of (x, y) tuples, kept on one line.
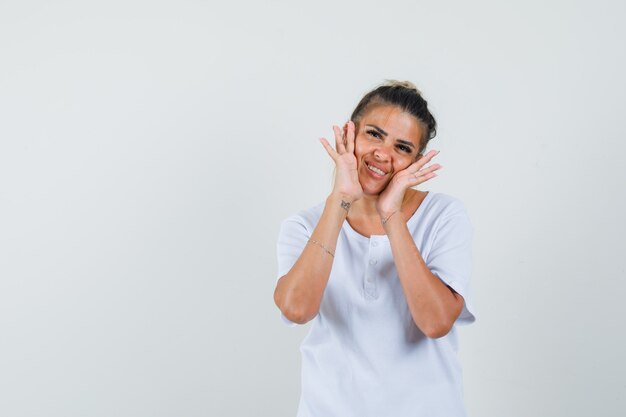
[(385, 220), (323, 247)]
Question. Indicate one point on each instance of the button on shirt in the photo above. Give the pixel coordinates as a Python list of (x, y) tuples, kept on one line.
[(364, 356)]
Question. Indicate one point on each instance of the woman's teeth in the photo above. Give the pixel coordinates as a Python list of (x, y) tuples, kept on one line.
[(376, 170)]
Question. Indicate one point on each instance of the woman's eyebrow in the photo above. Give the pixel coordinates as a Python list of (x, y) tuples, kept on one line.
[(378, 129), (406, 142), (382, 132)]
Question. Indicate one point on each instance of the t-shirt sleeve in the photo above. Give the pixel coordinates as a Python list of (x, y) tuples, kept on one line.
[(450, 259), (292, 238)]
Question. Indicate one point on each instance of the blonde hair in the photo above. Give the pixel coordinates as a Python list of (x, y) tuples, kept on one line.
[(397, 83)]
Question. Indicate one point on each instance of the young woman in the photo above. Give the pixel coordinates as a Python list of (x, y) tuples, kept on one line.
[(382, 269)]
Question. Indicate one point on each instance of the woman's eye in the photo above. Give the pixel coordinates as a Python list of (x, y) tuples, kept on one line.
[(374, 133), (405, 148)]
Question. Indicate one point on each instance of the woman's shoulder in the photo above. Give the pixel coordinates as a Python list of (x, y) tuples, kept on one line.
[(445, 204), (442, 210), (309, 217)]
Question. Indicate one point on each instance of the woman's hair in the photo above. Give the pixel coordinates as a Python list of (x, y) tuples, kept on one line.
[(404, 95)]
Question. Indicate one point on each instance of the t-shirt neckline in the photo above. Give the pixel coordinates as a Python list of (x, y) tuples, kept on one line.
[(409, 223)]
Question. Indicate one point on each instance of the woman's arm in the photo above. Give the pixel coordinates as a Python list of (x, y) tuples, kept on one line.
[(298, 294), (433, 305)]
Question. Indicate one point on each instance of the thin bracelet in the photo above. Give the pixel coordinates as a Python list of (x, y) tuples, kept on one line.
[(385, 220), (323, 247)]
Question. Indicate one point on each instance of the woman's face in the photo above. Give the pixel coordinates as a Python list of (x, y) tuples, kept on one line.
[(387, 138)]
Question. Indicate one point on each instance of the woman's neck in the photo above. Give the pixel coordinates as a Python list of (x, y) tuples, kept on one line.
[(364, 207)]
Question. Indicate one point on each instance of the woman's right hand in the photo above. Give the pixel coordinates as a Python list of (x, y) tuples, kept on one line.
[(346, 177)]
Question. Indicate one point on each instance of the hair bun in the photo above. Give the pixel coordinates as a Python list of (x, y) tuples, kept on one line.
[(404, 84)]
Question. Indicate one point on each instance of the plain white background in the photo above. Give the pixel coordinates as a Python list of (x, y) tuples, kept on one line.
[(150, 149)]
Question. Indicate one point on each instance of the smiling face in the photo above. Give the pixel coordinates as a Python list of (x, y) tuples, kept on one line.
[(387, 140)]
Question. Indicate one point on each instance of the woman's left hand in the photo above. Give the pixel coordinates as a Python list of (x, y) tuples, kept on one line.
[(390, 200)]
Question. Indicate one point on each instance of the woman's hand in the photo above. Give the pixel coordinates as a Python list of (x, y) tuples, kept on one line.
[(347, 177), (390, 200)]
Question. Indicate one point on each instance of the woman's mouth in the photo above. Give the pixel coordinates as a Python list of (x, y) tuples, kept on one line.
[(375, 172)]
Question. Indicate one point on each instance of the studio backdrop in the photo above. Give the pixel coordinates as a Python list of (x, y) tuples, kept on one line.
[(150, 149)]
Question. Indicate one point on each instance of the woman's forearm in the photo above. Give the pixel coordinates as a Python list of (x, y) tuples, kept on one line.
[(433, 305), (298, 294)]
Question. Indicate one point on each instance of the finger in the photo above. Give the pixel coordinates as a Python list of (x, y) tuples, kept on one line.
[(427, 171), (339, 140), (350, 137), (329, 149), (417, 165), (424, 171), (419, 179), (431, 154), (430, 168)]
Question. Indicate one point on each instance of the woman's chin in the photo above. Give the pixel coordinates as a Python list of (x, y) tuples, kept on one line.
[(368, 190), (372, 187)]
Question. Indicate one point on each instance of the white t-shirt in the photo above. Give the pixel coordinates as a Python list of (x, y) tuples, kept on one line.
[(364, 356)]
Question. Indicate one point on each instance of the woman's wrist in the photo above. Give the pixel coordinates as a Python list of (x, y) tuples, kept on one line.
[(387, 211), (343, 200), (384, 217)]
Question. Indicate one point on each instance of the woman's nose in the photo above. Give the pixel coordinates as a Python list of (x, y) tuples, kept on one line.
[(381, 153)]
